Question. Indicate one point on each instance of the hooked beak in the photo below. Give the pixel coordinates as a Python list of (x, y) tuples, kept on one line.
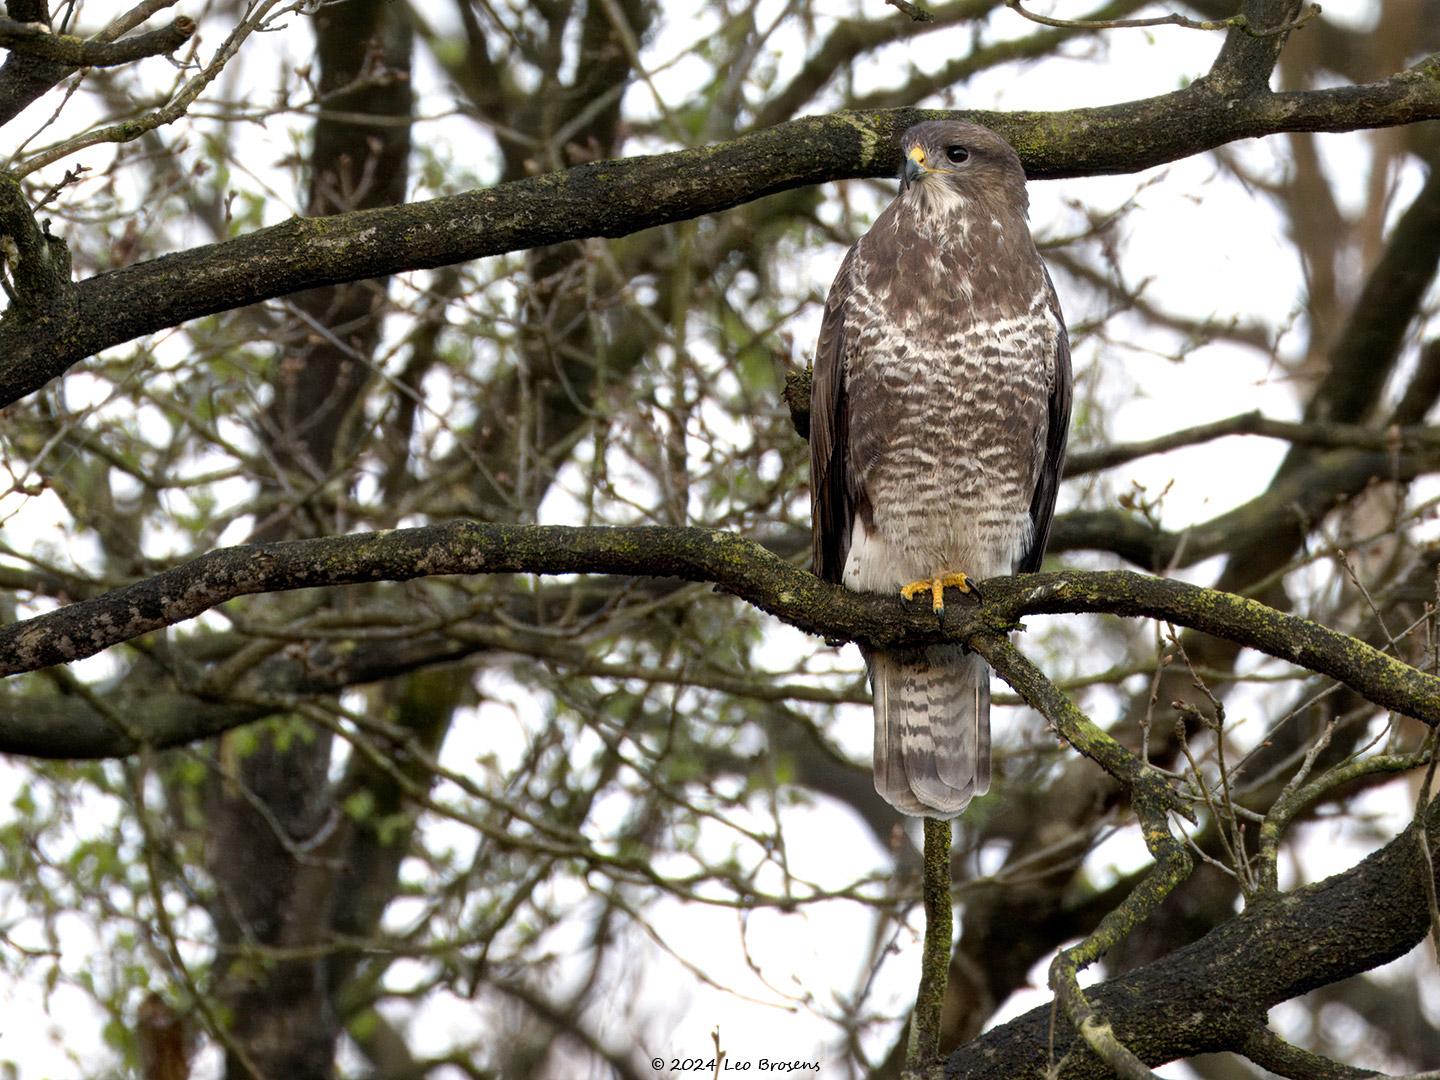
[(913, 168)]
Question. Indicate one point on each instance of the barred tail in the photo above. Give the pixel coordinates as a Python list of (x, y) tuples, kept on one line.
[(932, 729)]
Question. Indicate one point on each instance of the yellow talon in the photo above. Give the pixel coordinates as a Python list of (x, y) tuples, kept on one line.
[(936, 588)]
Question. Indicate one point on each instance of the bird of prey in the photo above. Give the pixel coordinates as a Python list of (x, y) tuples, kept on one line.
[(940, 403)]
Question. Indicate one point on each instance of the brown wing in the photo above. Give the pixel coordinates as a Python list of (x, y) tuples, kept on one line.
[(1042, 504), (832, 498)]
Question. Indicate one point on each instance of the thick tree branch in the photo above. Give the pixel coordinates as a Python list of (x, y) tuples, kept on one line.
[(1295, 501), (34, 40), (1248, 57), (615, 198), (1334, 436), (65, 730), (1214, 993), (737, 565)]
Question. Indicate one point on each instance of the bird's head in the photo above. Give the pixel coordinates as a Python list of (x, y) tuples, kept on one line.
[(954, 158)]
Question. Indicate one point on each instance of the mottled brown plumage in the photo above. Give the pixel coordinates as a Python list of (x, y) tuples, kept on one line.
[(939, 409)]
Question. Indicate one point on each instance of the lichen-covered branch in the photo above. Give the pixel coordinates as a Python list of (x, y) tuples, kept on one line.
[(33, 39), (924, 1044), (1214, 993), (37, 265), (735, 564), (616, 198), (1152, 799), (1275, 1055), (1298, 796), (1172, 866), (1145, 784)]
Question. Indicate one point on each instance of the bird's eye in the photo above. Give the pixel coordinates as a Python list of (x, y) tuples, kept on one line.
[(957, 154)]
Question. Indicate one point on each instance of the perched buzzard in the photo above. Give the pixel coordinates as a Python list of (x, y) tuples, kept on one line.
[(938, 417)]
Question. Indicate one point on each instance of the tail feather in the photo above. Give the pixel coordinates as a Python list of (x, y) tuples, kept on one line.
[(932, 729)]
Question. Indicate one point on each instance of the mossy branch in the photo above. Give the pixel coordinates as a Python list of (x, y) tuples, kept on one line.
[(925, 1022), (618, 198), (1172, 866), (731, 562), (1142, 781), (1152, 798), (1275, 1055), (38, 41), (1298, 796)]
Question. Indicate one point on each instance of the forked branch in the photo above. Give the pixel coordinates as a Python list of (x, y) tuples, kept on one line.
[(1152, 798)]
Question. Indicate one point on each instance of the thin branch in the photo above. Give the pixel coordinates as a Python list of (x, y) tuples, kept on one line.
[(1391, 440), (124, 23), (1271, 952), (1300, 433), (1234, 22), (850, 39), (1152, 797), (1275, 1055), (1295, 798), (176, 107), (1142, 780)]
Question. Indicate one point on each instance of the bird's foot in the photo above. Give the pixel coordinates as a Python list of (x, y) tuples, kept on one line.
[(936, 588)]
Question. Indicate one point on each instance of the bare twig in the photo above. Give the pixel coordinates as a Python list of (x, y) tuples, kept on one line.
[(176, 107), (1295, 798), (1234, 22)]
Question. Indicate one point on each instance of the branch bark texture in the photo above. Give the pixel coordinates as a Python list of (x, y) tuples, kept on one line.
[(1213, 994), (733, 563), (616, 198), (33, 39)]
